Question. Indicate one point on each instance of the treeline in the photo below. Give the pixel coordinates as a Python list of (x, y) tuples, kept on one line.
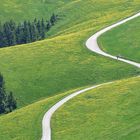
[(26, 32), (7, 101)]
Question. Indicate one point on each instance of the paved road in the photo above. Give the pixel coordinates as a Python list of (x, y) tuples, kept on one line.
[(46, 127), (93, 46)]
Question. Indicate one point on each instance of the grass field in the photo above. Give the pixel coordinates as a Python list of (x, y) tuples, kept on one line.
[(25, 123), (28, 9), (117, 103), (123, 40), (110, 112), (62, 62)]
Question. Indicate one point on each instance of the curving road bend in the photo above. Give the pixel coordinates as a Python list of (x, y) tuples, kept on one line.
[(93, 46), (46, 127)]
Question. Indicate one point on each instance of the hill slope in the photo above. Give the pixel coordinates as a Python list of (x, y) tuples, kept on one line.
[(115, 106), (20, 10), (60, 63), (25, 123), (110, 112), (123, 40)]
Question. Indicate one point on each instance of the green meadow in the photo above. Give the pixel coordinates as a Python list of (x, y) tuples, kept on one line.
[(110, 112), (43, 72), (62, 62), (25, 123), (28, 9), (123, 40)]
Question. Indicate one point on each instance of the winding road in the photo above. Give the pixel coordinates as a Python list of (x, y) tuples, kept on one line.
[(93, 46)]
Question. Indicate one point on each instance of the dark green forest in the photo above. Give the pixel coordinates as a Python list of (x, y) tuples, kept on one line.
[(26, 32)]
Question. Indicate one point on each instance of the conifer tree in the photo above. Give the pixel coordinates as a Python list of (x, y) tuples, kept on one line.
[(3, 96), (42, 29), (39, 26), (26, 36), (11, 102), (1, 36), (34, 32), (7, 101), (12, 34), (17, 32), (53, 19), (48, 26)]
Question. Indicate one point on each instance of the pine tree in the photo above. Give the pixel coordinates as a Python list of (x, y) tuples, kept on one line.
[(2, 106), (34, 32), (30, 30), (3, 96), (21, 34), (7, 102), (6, 30), (35, 22), (39, 26), (3, 40), (53, 19), (17, 32), (42, 34), (1, 36), (48, 26), (12, 37), (8, 33), (11, 102), (12, 34), (26, 36)]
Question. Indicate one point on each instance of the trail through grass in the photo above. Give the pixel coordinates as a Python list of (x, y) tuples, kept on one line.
[(96, 113), (110, 112), (25, 123), (123, 40), (62, 62)]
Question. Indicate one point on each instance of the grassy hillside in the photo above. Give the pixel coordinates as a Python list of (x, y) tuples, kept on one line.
[(28, 9), (62, 62), (110, 112), (123, 40), (25, 123), (105, 106)]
